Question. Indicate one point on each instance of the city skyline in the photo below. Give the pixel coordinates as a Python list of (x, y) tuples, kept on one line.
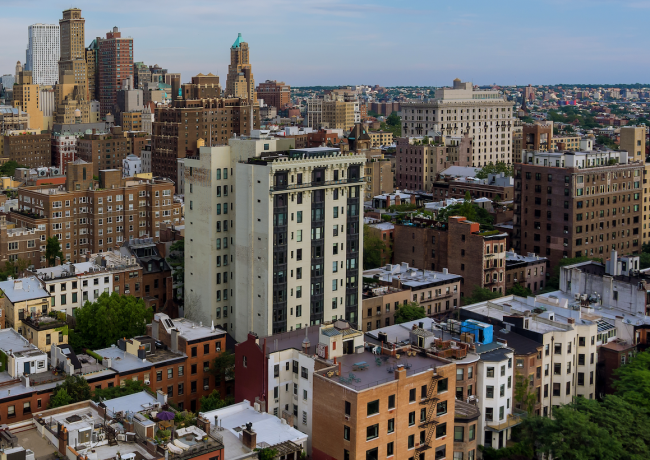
[(368, 43)]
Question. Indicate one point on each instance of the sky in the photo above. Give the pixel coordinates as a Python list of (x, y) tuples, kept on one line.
[(389, 43)]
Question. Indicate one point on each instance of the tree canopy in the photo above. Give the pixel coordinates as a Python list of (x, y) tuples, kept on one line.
[(469, 210), (74, 388), (409, 312), (112, 316), (130, 387), (8, 169), (372, 249), (519, 290), (494, 168), (617, 427), (52, 251), (480, 294), (213, 401), (223, 366)]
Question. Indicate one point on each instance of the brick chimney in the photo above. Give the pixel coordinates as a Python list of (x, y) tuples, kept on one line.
[(249, 439)]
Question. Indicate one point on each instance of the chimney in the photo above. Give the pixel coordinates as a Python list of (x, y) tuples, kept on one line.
[(306, 344), (249, 438), (174, 343), (571, 321)]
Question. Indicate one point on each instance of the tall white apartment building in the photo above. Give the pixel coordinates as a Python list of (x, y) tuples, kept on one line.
[(43, 51), (273, 236), (487, 115)]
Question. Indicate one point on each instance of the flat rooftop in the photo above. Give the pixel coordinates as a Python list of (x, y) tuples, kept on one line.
[(10, 340), (410, 276), (23, 289), (378, 374), (270, 429), (197, 331), (291, 339)]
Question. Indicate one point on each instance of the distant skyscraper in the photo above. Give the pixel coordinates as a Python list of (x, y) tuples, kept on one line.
[(115, 63), (43, 50), (240, 81), (73, 50)]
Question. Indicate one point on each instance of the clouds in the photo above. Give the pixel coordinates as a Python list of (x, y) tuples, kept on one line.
[(421, 42)]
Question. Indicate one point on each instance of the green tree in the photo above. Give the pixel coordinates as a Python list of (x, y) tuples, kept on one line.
[(60, 398), (52, 251), (112, 316), (632, 381), (214, 401), (372, 249), (75, 389), (519, 290), (495, 168), (9, 168), (524, 394), (480, 294), (266, 453), (130, 387), (409, 312), (223, 366)]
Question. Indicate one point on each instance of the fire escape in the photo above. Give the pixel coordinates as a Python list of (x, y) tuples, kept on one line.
[(431, 420)]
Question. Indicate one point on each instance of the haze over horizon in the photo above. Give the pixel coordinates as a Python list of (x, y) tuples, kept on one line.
[(332, 42)]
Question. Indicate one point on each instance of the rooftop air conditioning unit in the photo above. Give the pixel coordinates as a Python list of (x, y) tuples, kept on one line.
[(206, 387), (147, 382)]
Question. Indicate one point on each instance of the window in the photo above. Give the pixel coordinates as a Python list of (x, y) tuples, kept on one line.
[(441, 408), (489, 414), (489, 391), (472, 432), (411, 441), (391, 402), (441, 430), (412, 395), (372, 432), (373, 407), (391, 425), (390, 449), (490, 372), (303, 372), (11, 411), (443, 385), (346, 432), (347, 408), (459, 433), (412, 418)]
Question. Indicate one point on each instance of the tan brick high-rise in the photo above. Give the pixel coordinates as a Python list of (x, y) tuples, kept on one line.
[(73, 49), (240, 81)]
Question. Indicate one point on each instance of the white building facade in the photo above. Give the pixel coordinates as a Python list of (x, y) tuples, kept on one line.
[(486, 114), (285, 235), (131, 166), (43, 51)]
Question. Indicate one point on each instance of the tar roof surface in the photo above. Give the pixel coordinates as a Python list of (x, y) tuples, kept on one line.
[(500, 354)]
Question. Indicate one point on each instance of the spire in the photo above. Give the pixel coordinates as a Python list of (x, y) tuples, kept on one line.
[(238, 41)]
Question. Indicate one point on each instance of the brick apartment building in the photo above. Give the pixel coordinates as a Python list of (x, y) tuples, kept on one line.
[(177, 129), (275, 93), (91, 216), (538, 136), (458, 245), (21, 243), (418, 163), (115, 63), (574, 204), (380, 305), (202, 87), (104, 150), (28, 149), (437, 292), (172, 358), (528, 271), (384, 108), (382, 415), (493, 186)]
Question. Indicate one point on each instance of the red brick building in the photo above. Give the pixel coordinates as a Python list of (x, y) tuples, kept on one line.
[(115, 62), (275, 93), (459, 245)]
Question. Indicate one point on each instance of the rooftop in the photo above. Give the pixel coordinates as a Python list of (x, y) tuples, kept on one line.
[(270, 430), (411, 277), (19, 346), (23, 289)]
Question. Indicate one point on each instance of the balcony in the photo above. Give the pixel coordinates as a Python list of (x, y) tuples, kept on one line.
[(511, 420)]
